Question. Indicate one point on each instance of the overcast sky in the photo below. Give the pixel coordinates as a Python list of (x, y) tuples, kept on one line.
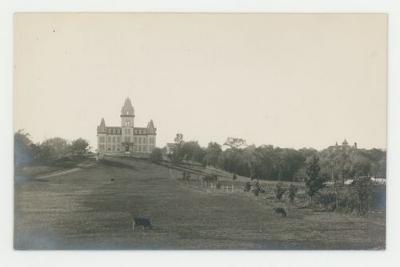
[(282, 79)]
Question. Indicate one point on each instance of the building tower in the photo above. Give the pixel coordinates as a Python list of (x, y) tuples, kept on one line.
[(151, 133), (101, 136), (127, 124)]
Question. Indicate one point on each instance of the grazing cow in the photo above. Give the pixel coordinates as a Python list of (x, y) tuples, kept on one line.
[(280, 211), (141, 222)]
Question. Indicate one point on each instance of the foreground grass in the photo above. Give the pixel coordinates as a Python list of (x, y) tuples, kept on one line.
[(86, 210)]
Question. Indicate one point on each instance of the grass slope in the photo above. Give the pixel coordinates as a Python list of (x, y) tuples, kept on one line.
[(86, 210)]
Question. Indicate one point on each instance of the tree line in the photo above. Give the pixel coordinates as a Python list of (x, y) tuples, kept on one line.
[(27, 152), (267, 162)]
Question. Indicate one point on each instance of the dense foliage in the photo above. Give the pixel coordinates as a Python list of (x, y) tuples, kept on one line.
[(266, 162), (156, 155), (52, 149), (314, 181)]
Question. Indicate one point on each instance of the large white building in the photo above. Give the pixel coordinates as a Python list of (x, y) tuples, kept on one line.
[(127, 137)]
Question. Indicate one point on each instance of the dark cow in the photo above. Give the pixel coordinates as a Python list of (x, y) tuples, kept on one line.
[(280, 211), (141, 222)]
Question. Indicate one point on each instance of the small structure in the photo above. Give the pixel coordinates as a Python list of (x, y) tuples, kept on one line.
[(381, 181), (169, 148)]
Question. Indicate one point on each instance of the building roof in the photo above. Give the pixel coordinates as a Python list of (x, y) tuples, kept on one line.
[(127, 111), (150, 124), (127, 108)]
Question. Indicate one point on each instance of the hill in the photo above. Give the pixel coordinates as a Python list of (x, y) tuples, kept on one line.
[(86, 209)]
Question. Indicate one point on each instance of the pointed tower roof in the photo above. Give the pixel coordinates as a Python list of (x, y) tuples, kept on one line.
[(102, 127), (127, 108), (150, 124), (345, 142)]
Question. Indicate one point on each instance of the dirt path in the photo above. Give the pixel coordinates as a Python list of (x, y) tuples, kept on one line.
[(58, 173), (63, 172)]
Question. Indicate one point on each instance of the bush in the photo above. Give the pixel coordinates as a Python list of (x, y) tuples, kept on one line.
[(362, 197), (247, 187), (234, 177), (279, 191), (348, 201), (156, 155), (326, 200), (256, 188), (364, 189)]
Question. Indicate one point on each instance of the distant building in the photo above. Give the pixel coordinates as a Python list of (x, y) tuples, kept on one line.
[(344, 145), (126, 138), (169, 148)]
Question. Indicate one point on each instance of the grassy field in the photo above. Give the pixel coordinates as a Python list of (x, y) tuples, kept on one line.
[(84, 209)]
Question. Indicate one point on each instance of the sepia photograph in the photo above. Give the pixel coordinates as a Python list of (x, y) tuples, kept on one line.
[(200, 131)]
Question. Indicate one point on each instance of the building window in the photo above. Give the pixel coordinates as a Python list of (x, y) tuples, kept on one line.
[(109, 138), (118, 139), (102, 139), (113, 139)]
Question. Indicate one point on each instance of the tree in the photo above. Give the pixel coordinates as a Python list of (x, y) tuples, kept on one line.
[(192, 151), (234, 142), (53, 148), (363, 188), (178, 138), (279, 191), (212, 154), (314, 182), (79, 147), (361, 166), (156, 155), (251, 160), (23, 145), (292, 192), (177, 155), (290, 163)]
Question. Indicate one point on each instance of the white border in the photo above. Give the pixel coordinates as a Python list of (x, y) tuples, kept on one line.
[(9, 257)]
